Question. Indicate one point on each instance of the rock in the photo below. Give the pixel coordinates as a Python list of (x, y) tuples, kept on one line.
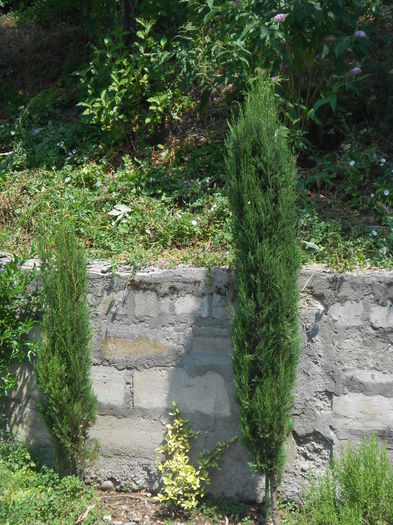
[(107, 485)]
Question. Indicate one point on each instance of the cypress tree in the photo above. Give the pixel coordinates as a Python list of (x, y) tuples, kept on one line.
[(64, 360), (261, 173)]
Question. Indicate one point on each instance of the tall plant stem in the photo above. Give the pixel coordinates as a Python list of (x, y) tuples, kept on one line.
[(267, 498), (273, 490)]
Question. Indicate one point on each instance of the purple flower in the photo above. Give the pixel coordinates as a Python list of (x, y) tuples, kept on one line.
[(360, 34), (280, 17), (354, 71)]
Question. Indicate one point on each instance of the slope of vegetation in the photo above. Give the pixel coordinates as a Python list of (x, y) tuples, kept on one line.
[(124, 132)]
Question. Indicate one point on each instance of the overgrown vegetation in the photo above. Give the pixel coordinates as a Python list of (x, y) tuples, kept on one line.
[(30, 495), (138, 120), (18, 314), (64, 360), (183, 485), (261, 173), (356, 489)]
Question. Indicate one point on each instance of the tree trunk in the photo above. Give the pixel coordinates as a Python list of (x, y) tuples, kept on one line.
[(275, 513), (126, 16), (267, 499)]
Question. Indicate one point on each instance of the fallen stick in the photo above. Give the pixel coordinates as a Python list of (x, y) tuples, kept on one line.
[(83, 516)]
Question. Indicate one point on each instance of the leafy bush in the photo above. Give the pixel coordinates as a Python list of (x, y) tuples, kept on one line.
[(183, 484), (33, 496), (64, 361), (356, 489), (131, 91), (18, 315)]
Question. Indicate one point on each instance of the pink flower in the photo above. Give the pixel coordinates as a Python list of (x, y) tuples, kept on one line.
[(354, 71), (360, 34), (280, 17)]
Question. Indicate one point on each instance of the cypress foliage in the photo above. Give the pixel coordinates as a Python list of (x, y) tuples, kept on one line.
[(261, 172), (64, 361)]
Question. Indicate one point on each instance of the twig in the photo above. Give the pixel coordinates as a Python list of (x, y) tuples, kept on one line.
[(83, 516), (308, 281)]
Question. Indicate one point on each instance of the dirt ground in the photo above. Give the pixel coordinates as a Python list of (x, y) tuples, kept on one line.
[(139, 508)]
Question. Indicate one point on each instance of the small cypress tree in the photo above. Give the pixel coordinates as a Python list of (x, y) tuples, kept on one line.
[(64, 361), (261, 172)]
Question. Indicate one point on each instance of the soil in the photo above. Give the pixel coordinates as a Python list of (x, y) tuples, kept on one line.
[(140, 508)]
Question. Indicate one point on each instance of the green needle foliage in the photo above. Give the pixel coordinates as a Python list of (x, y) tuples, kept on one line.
[(261, 172), (64, 362)]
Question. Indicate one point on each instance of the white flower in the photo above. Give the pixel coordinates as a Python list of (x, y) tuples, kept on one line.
[(372, 195), (383, 161), (386, 192), (352, 163), (374, 233), (60, 144), (194, 223)]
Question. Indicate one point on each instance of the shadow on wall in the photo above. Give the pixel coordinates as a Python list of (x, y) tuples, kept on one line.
[(24, 419), (160, 337)]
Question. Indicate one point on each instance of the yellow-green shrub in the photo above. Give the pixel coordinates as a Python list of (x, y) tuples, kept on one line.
[(184, 485)]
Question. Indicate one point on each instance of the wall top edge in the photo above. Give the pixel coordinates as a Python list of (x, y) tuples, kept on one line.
[(103, 268)]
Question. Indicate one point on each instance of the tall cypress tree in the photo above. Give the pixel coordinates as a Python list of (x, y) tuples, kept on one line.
[(261, 173), (64, 361)]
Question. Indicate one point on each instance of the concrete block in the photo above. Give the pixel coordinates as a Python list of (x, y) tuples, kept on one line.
[(220, 307), (382, 316), (355, 411), (155, 388), (148, 304), (347, 314), (109, 385), (135, 436), (192, 305)]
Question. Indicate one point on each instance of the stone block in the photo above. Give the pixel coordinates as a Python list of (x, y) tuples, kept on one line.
[(157, 388)]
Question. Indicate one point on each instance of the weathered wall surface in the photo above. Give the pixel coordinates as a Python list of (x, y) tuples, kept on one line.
[(164, 335)]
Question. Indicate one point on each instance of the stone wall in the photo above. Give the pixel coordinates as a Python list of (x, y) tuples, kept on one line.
[(164, 335)]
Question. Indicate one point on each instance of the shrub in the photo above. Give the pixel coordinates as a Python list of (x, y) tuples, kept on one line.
[(183, 484), (261, 174), (356, 489), (18, 309), (64, 361), (33, 496), (131, 91)]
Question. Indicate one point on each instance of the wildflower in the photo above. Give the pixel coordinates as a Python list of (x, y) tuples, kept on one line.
[(386, 192), (354, 71), (360, 34), (372, 195), (60, 144), (36, 131), (374, 233), (194, 223), (352, 163), (280, 17), (382, 161)]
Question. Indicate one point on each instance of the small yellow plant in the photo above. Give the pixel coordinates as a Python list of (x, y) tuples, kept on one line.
[(183, 484)]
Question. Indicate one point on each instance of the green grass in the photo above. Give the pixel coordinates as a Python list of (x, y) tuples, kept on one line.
[(33, 496)]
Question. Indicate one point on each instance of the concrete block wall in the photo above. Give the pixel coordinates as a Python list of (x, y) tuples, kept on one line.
[(164, 335)]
